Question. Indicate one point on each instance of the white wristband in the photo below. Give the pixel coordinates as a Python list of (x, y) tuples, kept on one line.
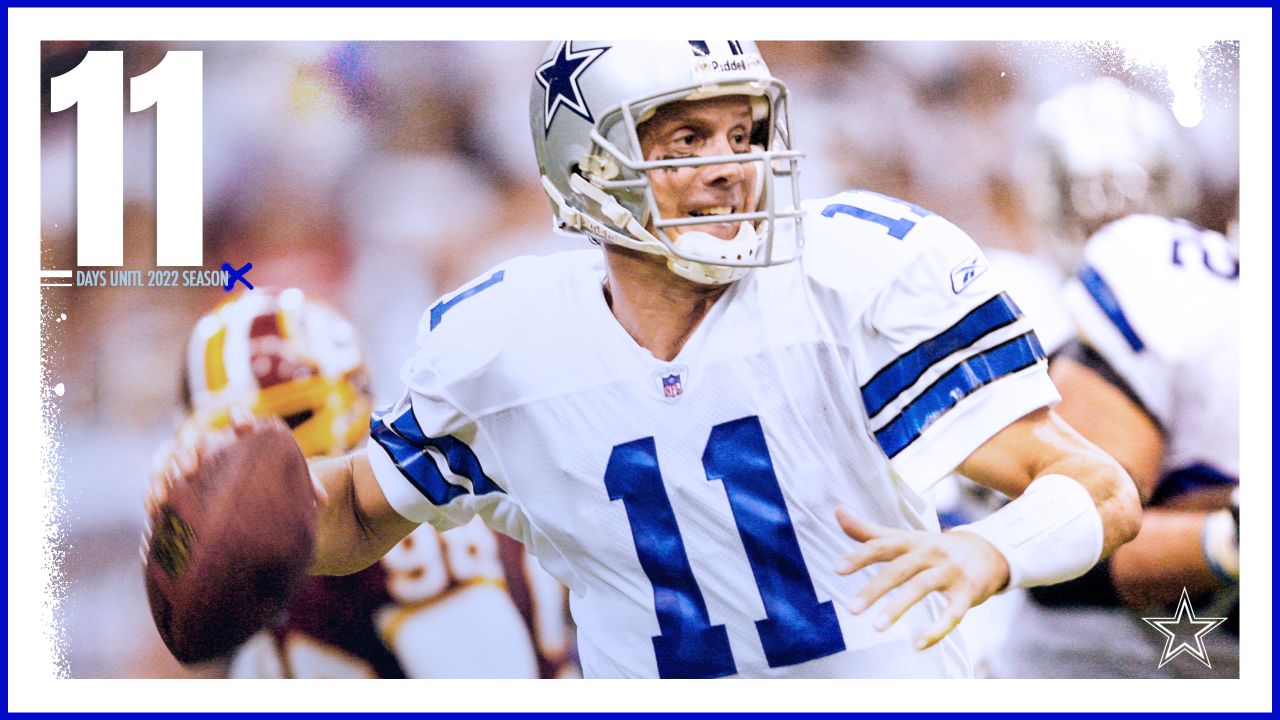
[(1052, 533), (1220, 546)]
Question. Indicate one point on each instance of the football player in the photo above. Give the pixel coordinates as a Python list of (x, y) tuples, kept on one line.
[(725, 451), (486, 610), (1151, 377)]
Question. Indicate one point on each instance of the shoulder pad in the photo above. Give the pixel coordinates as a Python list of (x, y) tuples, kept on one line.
[(465, 329), (867, 238)]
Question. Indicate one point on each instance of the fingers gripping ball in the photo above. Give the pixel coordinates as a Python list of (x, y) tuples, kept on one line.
[(231, 541)]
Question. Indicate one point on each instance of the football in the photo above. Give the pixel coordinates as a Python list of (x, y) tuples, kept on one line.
[(231, 543)]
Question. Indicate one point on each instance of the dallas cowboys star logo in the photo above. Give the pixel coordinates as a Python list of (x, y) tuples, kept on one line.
[(1205, 625), (559, 77)]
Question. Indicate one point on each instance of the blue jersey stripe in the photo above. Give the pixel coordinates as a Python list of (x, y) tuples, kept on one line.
[(442, 307), (457, 454), (1106, 299), (960, 382), (902, 373), (1190, 479), (416, 465), (405, 442)]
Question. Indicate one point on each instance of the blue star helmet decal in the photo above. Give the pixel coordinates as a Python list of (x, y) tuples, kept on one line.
[(559, 77), (702, 49)]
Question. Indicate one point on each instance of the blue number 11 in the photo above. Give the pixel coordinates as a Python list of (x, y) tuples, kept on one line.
[(796, 627)]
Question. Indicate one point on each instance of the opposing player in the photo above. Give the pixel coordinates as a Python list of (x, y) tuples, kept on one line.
[(466, 603), (1152, 377), (716, 446)]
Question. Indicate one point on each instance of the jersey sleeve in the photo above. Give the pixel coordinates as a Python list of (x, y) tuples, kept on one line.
[(430, 454), (946, 358), (428, 475)]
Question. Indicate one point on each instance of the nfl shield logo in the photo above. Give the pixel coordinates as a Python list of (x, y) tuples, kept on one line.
[(671, 386), (670, 380)]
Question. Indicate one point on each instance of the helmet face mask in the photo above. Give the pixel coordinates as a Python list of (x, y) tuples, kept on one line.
[(588, 103)]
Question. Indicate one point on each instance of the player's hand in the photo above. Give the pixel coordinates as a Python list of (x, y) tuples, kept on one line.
[(963, 567), (177, 458), (180, 457)]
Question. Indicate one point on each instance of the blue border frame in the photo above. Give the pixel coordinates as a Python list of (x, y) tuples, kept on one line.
[(561, 4), (555, 4)]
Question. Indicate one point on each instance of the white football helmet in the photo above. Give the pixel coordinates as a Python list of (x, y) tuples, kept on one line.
[(284, 354), (1105, 151), (588, 98)]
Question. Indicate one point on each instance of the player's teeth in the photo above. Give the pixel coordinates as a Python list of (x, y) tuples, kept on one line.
[(723, 210)]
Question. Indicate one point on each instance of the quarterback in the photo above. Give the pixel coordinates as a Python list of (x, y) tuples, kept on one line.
[(720, 430)]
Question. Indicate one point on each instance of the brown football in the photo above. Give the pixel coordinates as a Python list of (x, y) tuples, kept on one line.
[(231, 544)]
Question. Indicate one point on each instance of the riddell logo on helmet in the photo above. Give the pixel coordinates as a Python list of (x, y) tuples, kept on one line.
[(709, 66)]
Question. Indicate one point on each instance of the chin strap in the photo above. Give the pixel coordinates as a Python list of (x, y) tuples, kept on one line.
[(575, 219), (742, 246)]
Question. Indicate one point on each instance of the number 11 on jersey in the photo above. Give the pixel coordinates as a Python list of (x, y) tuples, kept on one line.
[(796, 628)]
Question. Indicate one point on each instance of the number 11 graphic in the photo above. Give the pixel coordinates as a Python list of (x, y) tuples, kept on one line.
[(174, 87)]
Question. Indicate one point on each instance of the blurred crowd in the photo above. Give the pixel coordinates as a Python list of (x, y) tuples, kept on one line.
[(379, 176)]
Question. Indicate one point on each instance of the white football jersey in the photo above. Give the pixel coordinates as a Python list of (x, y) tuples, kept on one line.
[(689, 505), (1159, 301)]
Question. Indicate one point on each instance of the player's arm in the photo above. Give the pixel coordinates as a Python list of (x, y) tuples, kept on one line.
[(1083, 506), (1176, 549), (1041, 445), (1192, 548), (939, 315), (357, 526), (1108, 418)]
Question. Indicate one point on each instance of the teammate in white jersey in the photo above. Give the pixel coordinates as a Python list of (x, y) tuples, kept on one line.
[(1157, 304), (1152, 378), (724, 451)]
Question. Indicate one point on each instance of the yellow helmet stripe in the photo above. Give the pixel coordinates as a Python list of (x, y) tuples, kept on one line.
[(215, 364)]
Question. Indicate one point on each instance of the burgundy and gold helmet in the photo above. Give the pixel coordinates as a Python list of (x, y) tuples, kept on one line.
[(285, 354)]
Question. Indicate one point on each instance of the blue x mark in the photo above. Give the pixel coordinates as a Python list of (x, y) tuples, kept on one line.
[(233, 275)]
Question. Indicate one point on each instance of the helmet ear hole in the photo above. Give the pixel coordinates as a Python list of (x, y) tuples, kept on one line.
[(296, 419), (760, 134), (760, 124)]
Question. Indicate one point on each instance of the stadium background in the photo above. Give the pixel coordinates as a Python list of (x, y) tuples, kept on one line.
[(379, 176)]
